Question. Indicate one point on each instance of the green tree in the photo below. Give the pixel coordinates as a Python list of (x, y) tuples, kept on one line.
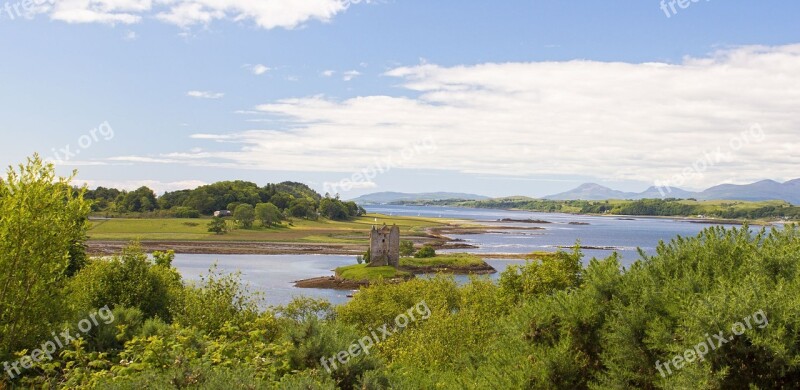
[(303, 208), (406, 248), (268, 214), (218, 226), (141, 200), (42, 226), (333, 209), (244, 215), (425, 252)]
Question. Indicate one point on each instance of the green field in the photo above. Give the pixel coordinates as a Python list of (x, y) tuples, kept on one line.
[(321, 231)]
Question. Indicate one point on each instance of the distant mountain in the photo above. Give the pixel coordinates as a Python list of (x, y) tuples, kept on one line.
[(762, 190), (591, 191), (389, 197)]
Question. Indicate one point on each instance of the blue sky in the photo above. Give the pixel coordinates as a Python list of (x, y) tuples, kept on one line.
[(496, 98)]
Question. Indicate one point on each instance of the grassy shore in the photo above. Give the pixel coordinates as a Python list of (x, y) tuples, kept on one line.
[(451, 263), (362, 272)]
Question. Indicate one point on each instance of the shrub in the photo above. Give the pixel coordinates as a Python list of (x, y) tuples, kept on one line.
[(425, 252), (406, 248)]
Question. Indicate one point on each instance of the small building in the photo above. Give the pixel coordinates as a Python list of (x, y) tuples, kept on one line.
[(223, 213), (384, 246)]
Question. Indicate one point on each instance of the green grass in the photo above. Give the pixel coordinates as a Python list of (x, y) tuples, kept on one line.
[(541, 255), (452, 260), (321, 231), (361, 272)]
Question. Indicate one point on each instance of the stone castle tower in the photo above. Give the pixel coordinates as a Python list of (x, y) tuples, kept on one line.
[(384, 246)]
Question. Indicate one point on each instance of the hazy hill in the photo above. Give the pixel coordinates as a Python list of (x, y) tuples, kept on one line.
[(762, 190), (389, 197)]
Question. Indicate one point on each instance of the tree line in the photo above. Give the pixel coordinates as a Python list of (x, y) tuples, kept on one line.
[(668, 207), (292, 200)]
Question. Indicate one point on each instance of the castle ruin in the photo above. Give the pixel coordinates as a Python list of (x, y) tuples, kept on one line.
[(384, 246)]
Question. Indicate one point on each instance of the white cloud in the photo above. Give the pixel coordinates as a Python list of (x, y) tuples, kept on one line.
[(328, 73), (205, 94), (267, 14), (610, 120), (349, 185), (140, 159), (350, 74), (259, 69), (130, 36)]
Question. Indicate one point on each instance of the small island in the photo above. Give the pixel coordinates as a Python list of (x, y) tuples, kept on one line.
[(389, 260)]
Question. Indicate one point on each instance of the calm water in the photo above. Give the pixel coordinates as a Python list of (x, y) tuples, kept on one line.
[(624, 235), (274, 274)]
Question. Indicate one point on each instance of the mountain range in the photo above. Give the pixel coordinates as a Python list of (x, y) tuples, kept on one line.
[(389, 197), (761, 190)]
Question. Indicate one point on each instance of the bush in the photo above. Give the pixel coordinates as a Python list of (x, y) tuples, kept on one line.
[(218, 226), (184, 212), (425, 252), (42, 231), (130, 280), (215, 300), (406, 248)]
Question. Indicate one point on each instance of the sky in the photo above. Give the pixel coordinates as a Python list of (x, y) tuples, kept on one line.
[(496, 98)]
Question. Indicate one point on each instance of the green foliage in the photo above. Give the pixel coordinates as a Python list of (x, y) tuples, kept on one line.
[(218, 225), (406, 248), (542, 275), (216, 301), (268, 214), (425, 252), (42, 230), (303, 208), (224, 195), (184, 212), (164, 259), (335, 209), (130, 280), (244, 215), (143, 199)]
